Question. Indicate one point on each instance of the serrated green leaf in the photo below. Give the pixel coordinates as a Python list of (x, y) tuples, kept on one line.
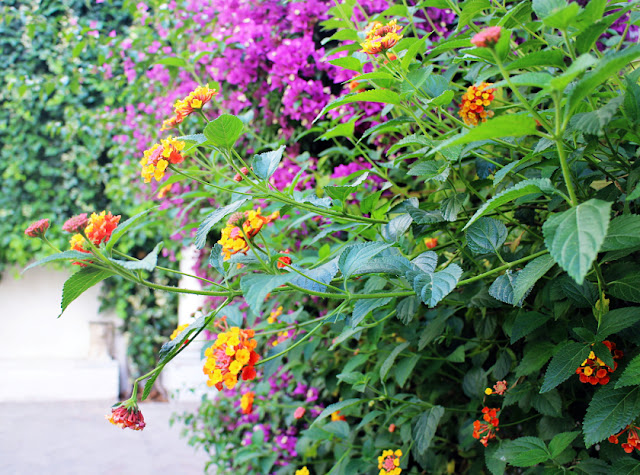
[(535, 356), (426, 262), (623, 233), (407, 309), (390, 359), (452, 205), (363, 307), (341, 193), (486, 235), (434, 328), (582, 295), (474, 383), (549, 403), (223, 131), (503, 288), (404, 368), (561, 441), (61, 256), (395, 229), (432, 288), (437, 170), (528, 276), (255, 288), (420, 216), (357, 255), (575, 236), (625, 466), (265, 164), (524, 452), (626, 287), (617, 320), (322, 275), (630, 375), (594, 122), (212, 219), (148, 263), (524, 188), (587, 38), (564, 364), (425, 428), (526, 322), (79, 282), (577, 67), (609, 411)]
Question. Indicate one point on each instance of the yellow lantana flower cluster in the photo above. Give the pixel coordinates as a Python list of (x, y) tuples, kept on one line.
[(231, 354), (389, 462), (233, 237), (157, 158)]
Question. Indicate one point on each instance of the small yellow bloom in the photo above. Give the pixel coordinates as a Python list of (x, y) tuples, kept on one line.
[(488, 391)]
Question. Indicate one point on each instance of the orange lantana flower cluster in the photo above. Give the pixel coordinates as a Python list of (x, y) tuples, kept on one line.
[(594, 371), (246, 402), (233, 239), (126, 416), (230, 355), (633, 441), (157, 158), (381, 37), (98, 230), (489, 427), (474, 101), (389, 462), (182, 108)]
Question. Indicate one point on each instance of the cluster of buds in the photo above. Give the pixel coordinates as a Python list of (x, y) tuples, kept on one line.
[(389, 462), (381, 37), (246, 402), (594, 371), (182, 108), (431, 242), (489, 427), (487, 38), (240, 176), (472, 108), (299, 412), (126, 415), (233, 237), (157, 158), (633, 441), (499, 388), (231, 354), (37, 229)]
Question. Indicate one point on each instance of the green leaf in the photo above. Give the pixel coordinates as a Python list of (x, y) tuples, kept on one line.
[(524, 452), (123, 227), (469, 10), (617, 320), (608, 66), (420, 216), (452, 205), (574, 237), (509, 125), (426, 262), (625, 466), (609, 411), (561, 441), (82, 280), (594, 122), (395, 229), (425, 428), (526, 322), (549, 404), (349, 62), (389, 360), (434, 329), (61, 256), (404, 368), (626, 287), (623, 233), (583, 295), (591, 466), (265, 164), (356, 255), (255, 288), (148, 386), (545, 8), (148, 263), (411, 53), (172, 61), (474, 383), (341, 193), (632, 107), (338, 406), (577, 67), (407, 309), (502, 289), (432, 288), (486, 235), (587, 38), (212, 219), (535, 356), (564, 364), (322, 275), (528, 276), (223, 131), (524, 188), (168, 348), (631, 374), (563, 17), (363, 307), (534, 79), (428, 170), (457, 356)]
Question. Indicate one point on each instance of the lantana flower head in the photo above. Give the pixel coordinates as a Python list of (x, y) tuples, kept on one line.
[(101, 226), (127, 415), (233, 240), (246, 402), (633, 440), (302, 471), (336, 416), (195, 100), (389, 462), (284, 261), (499, 388), (487, 37), (156, 159), (472, 108), (594, 371), (76, 223), (488, 426), (37, 229), (431, 242), (231, 354), (381, 37)]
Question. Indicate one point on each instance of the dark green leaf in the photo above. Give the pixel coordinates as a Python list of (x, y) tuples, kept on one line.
[(631, 374), (407, 309), (524, 452), (595, 122), (363, 307), (526, 322), (528, 276), (617, 320), (623, 233), (357, 255), (502, 288), (474, 383), (549, 404), (390, 360), (404, 368), (452, 205), (626, 287), (425, 428), (338, 406), (561, 441), (610, 410), (486, 235), (564, 364)]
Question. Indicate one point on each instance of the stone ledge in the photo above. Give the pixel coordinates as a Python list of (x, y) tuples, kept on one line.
[(58, 380)]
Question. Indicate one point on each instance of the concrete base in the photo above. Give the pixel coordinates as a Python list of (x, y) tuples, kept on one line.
[(59, 380)]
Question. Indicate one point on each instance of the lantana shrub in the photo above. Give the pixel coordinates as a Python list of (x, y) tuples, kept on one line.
[(466, 303)]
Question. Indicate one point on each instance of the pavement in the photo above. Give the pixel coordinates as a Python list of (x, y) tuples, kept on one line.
[(73, 438)]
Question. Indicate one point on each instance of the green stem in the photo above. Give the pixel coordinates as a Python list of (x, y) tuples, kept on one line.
[(562, 154)]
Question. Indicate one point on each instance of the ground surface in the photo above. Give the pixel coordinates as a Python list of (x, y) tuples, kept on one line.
[(73, 438)]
